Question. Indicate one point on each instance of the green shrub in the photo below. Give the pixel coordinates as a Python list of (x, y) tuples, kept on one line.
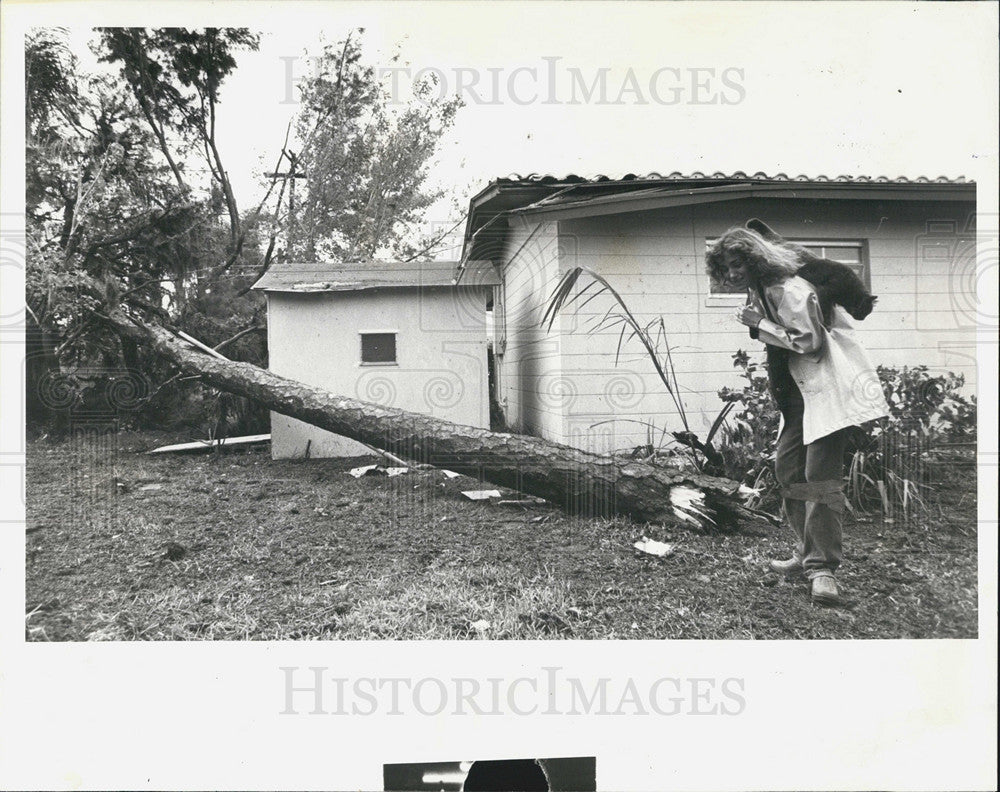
[(748, 438), (887, 461)]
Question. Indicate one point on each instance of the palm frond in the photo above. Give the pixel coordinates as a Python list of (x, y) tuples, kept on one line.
[(565, 296), (717, 423)]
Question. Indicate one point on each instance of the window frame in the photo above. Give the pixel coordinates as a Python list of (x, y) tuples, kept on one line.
[(722, 300), (860, 244), (380, 331)]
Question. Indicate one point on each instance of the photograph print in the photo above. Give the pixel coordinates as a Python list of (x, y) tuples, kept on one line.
[(368, 331)]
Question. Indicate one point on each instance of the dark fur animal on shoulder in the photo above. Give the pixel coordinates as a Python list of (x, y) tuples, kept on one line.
[(835, 283)]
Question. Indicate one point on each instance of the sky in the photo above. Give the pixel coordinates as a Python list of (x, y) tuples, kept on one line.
[(827, 88)]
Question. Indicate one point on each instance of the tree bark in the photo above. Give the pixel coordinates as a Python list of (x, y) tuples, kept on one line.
[(578, 481)]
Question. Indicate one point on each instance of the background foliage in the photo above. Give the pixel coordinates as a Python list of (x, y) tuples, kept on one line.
[(130, 207)]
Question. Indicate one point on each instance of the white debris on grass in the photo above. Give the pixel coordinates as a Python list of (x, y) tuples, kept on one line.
[(451, 474), (481, 626), (377, 470), (653, 547), (477, 495), (206, 445)]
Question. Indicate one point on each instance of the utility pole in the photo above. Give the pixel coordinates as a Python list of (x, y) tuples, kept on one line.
[(293, 173)]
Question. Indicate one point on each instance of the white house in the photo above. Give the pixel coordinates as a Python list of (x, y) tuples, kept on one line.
[(407, 335), (911, 240)]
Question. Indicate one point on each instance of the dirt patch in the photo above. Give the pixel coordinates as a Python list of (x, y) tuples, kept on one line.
[(126, 546)]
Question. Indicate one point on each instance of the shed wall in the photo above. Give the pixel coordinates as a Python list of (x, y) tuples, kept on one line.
[(440, 352)]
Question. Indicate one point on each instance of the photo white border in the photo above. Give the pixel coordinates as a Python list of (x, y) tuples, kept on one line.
[(826, 714)]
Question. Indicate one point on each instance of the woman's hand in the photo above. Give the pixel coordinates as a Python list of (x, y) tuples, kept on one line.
[(748, 316)]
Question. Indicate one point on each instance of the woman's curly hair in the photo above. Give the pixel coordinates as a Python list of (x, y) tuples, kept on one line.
[(766, 261)]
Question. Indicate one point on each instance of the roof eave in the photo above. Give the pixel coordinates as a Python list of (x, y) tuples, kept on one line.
[(617, 204)]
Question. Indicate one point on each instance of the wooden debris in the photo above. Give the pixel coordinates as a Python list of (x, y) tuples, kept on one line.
[(208, 445), (478, 495), (652, 547)]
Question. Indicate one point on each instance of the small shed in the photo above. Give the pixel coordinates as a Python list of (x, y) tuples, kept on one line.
[(411, 335)]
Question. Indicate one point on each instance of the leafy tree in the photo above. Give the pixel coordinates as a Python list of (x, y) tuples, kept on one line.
[(119, 218), (365, 156), (113, 218), (175, 75)]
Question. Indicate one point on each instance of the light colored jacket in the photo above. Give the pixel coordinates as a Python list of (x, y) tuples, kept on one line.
[(838, 382)]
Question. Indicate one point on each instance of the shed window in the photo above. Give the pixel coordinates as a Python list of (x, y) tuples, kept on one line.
[(378, 347)]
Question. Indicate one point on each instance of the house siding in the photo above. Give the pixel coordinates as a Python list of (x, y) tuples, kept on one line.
[(655, 259), (528, 368), (440, 348)]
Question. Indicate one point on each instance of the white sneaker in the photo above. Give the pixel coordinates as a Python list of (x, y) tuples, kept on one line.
[(825, 590)]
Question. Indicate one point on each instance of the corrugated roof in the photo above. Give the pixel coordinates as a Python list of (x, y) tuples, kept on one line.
[(306, 277), (572, 178), (577, 196)]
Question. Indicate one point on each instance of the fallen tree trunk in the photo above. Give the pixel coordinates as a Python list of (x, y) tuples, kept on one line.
[(578, 481)]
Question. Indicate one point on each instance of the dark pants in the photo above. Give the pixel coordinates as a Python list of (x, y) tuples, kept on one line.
[(812, 487)]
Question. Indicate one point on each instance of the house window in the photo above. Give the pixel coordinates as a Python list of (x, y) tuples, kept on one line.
[(378, 347), (851, 253)]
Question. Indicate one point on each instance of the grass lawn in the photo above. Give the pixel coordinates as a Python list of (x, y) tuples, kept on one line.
[(126, 546)]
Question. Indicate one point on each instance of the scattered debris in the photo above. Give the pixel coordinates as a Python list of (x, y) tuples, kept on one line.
[(208, 445), (523, 502), (377, 470), (653, 547), (386, 455), (150, 487), (451, 474), (478, 495), (481, 626)]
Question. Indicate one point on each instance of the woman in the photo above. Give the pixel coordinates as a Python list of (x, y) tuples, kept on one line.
[(823, 384)]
